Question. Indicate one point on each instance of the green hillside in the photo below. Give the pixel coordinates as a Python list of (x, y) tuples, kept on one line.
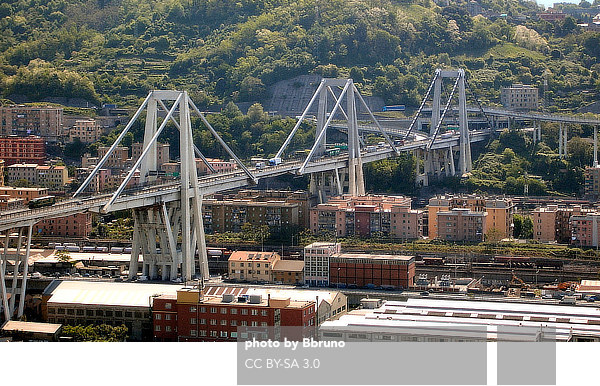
[(220, 50)]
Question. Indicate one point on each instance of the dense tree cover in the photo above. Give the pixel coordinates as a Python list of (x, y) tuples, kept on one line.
[(513, 161), (116, 50), (401, 170), (100, 333), (249, 135)]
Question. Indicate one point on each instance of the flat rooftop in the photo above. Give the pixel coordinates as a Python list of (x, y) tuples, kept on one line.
[(31, 327), (448, 317), (106, 293), (372, 256)]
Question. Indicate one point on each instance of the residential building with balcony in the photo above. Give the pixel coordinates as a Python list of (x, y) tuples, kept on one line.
[(461, 224), (85, 130), (46, 122), (231, 215), (499, 211), (366, 216), (76, 225), (14, 149)]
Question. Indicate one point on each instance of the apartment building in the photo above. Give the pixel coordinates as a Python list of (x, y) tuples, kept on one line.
[(85, 130), (26, 194), (316, 262), (551, 223), (76, 225), (252, 266), (14, 149), (231, 215), (192, 315), (300, 197), (585, 230), (499, 211), (162, 153), (219, 165), (367, 215), (461, 224), (2, 169), (52, 176), (119, 158), (591, 187), (520, 97), (22, 171), (49, 176), (46, 122)]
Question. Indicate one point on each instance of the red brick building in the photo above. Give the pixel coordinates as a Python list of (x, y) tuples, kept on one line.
[(77, 225), (361, 270), (15, 149), (193, 316)]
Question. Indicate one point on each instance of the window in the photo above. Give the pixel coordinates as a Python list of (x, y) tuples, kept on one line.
[(264, 312), (202, 309), (223, 310), (263, 324), (194, 333), (244, 311), (243, 323), (233, 334), (213, 334), (202, 332), (168, 317), (168, 328), (254, 312), (157, 316), (233, 311), (254, 324), (233, 323), (202, 321), (157, 328), (168, 306), (193, 321), (213, 310), (223, 334), (223, 322), (192, 309), (213, 322)]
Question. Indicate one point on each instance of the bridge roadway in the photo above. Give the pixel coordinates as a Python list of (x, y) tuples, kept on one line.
[(531, 116), (152, 195)]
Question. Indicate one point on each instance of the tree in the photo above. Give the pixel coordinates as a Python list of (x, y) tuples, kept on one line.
[(256, 233), (100, 333), (493, 235), (527, 232), (256, 113), (64, 257), (517, 226)]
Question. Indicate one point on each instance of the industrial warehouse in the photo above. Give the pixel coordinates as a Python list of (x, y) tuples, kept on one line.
[(464, 320)]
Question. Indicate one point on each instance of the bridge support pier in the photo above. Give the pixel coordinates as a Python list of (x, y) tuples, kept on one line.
[(562, 141), (595, 146), (21, 263), (327, 184)]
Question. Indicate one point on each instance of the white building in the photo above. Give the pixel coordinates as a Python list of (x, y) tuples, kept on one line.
[(316, 262), (465, 320)]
